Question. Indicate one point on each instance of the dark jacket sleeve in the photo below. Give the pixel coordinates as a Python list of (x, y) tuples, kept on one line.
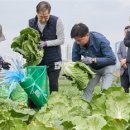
[(127, 39), (127, 44), (75, 52), (108, 56)]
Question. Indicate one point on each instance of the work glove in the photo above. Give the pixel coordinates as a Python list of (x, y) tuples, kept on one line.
[(3, 64), (42, 44), (88, 60), (6, 65)]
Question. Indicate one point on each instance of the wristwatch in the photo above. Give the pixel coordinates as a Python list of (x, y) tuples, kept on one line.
[(93, 60)]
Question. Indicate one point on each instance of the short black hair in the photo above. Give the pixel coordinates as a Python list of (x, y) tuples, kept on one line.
[(43, 5), (127, 27), (79, 30)]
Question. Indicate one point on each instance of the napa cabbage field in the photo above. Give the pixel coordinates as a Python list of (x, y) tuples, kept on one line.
[(66, 110)]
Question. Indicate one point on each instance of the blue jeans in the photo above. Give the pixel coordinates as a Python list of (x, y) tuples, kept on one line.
[(106, 73)]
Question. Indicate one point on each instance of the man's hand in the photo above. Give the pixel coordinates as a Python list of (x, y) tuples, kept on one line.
[(6, 65), (88, 60), (123, 61), (125, 66), (42, 44)]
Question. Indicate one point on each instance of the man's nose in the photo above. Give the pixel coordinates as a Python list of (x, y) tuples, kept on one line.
[(41, 16)]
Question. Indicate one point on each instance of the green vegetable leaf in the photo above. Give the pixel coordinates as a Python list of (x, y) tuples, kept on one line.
[(27, 45)]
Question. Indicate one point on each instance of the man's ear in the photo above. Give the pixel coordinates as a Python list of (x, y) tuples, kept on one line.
[(87, 34)]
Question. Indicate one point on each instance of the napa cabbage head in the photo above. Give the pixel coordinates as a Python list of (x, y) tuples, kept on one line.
[(26, 44), (78, 73)]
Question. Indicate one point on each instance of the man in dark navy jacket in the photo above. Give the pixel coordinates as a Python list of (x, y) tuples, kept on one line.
[(127, 44), (51, 32), (97, 53)]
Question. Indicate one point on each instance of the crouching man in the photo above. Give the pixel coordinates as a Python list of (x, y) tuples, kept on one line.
[(97, 53)]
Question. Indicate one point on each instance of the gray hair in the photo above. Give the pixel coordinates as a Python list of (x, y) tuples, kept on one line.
[(43, 5)]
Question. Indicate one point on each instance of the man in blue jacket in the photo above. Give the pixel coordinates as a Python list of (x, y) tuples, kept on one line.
[(97, 53)]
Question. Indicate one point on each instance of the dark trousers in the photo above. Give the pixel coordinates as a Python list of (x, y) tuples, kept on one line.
[(53, 80), (125, 83), (53, 75)]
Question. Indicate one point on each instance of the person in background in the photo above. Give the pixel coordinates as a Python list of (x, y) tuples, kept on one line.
[(97, 53), (127, 44), (51, 32), (122, 51), (3, 64)]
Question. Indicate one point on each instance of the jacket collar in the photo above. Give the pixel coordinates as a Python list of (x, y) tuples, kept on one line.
[(48, 22)]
